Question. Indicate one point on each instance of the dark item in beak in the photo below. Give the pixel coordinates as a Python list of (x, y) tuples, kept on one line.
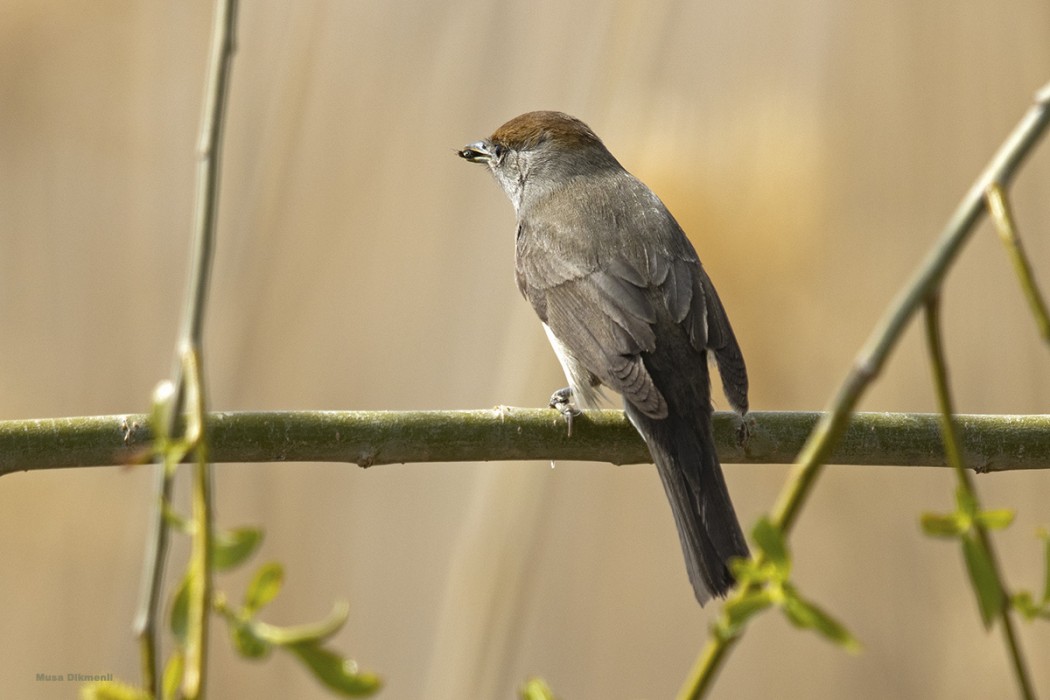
[(480, 152)]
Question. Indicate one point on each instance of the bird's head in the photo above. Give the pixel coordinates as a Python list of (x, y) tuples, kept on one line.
[(539, 151)]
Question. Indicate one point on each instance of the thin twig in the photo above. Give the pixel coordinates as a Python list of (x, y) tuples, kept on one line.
[(702, 676), (876, 351), (189, 342), (200, 578), (928, 276), (999, 209), (145, 624), (939, 365), (953, 448)]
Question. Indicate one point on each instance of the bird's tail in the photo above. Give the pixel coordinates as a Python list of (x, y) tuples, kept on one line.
[(683, 451)]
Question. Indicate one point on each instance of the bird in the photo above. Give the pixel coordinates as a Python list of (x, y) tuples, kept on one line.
[(627, 306)]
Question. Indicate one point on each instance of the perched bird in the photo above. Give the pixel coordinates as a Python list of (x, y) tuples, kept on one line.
[(626, 305)]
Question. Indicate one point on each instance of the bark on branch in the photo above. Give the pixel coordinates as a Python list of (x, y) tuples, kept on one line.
[(366, 438)]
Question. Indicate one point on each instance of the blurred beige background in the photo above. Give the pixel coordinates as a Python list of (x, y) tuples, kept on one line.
[(812, 151)]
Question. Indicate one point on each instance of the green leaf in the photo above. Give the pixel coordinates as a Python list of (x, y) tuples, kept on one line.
[(112, 690), (247, 641), (996, 519), (1045, 536), (1022, 602), (983, 579), (179, 615), (173, 676), (334, 671), (737, 611), (536, 689), (936, 525), (315, 632), (264, 587), (231, 547), (175, 520), (807, 615), (770, 540), (746, 570)]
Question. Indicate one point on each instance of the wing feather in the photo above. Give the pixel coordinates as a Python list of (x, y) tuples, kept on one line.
[(603, 293)]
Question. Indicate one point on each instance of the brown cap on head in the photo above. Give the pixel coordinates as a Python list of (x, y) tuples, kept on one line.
[(533, 128), (543, 150)]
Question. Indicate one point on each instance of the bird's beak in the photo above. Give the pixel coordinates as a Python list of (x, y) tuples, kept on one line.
[(480, 152)]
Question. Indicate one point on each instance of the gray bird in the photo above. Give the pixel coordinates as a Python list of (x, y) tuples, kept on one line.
[(626, 305)]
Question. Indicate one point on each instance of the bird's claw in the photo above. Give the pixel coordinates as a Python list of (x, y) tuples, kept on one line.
[(562, 401), (743, 431)]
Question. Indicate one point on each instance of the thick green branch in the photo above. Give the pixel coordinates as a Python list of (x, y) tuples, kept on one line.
[(990, 443)]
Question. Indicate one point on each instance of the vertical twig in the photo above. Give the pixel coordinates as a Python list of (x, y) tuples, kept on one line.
[(939, 366), (702, 676), (876, 351), (953, 451), (187, 380), (999, 209), (200, 572), (145, 624)]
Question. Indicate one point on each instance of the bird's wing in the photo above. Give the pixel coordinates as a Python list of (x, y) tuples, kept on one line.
[(604, 291), (604, 308), (722, 342)]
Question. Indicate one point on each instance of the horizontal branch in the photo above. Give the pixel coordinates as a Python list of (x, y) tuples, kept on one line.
[(990, 443)]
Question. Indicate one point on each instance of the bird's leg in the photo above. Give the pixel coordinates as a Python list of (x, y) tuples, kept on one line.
[(743, 432), (562, 401)]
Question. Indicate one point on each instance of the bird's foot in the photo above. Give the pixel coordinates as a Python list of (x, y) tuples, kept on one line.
[(743, 431), (562, 401)]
